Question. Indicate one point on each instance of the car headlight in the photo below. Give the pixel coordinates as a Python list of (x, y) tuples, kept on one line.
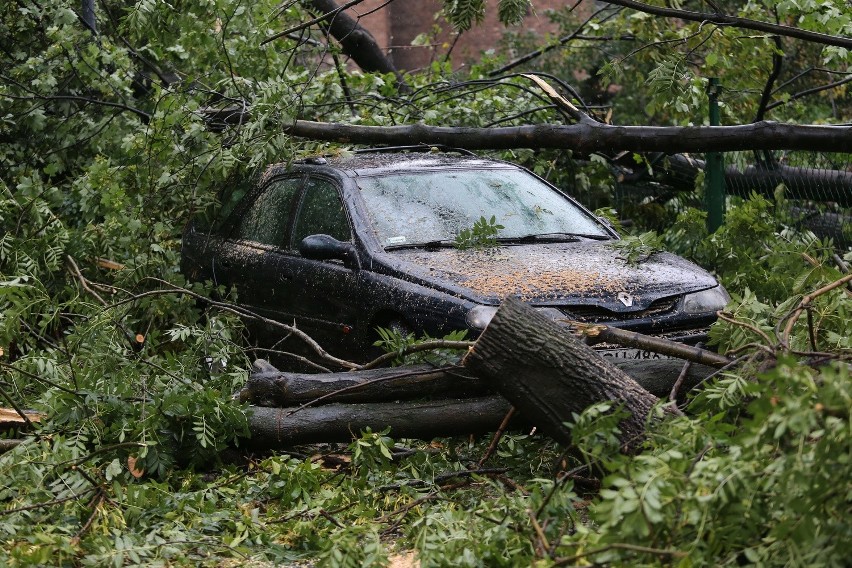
[(480, 316), (706, 301)]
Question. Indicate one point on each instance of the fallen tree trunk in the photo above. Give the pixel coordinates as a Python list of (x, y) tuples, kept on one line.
[(277, 427), (270, 387), (588, 137), (276, 388), (355, 40), (547, 374)]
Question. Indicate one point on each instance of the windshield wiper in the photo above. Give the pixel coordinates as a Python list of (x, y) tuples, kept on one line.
[(430, 245), (552, 238)]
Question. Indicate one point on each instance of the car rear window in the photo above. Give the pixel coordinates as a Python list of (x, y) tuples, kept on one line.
[(423, 207)]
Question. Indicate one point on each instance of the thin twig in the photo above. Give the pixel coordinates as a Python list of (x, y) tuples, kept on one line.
[(806, 300), (811, 330), (619, 546), (737, 22), (718, 371), (424, 346), (492, 447), (556, 484), (83, 281), (241, 312), (680, 378), (751, 345), (311, 22), (95, 510), (41, 379), (811, 91), (543, 544), (542, 50), (102, 450), (730, 319), (48, 503)]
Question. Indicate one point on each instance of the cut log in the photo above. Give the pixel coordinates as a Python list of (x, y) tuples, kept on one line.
[(267, 386), (271, 387), (658, 376), (285, 427), (547, 374)]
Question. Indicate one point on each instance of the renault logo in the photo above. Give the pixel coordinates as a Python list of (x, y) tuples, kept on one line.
[(625, 299)]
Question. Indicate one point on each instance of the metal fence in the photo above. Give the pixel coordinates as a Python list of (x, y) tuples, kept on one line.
[(815, 187)]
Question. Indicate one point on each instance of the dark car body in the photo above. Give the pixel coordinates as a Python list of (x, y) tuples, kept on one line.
[(305, 245)]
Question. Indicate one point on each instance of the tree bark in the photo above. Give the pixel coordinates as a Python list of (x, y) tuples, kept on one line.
[(355, 40), (591, 137), (599, 333), (87, 15), (274, 388), (282, 427), (547, 374)]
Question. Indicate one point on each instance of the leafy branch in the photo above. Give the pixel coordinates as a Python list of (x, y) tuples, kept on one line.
[(483, 234)]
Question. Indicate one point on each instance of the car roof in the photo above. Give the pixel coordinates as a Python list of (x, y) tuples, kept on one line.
[(383, 163)]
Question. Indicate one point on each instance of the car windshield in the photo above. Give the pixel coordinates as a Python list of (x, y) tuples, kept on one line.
[(429, 207)]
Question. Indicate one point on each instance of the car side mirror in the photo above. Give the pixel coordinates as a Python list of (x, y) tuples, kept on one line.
[(325, 247)]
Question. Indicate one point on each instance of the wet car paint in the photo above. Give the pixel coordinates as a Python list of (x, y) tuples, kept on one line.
[(340, 303)]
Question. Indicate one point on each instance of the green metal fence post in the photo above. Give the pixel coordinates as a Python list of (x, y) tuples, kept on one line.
[(714, 173)]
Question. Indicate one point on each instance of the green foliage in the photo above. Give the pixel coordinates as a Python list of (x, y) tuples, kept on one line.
[(512, 12), (464, 13), (354, 547), (755, 249), (372, 451), (711, 490), (396, 341), (635, 249), (483, 234), (653, 72), (106, 156)]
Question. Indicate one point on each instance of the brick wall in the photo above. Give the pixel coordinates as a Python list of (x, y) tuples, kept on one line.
[(397, 24)]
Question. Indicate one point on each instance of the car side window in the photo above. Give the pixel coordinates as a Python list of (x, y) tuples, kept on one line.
[(322, 213), (268, 218)]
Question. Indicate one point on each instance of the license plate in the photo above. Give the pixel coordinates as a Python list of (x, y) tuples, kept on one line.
[(631, 354)]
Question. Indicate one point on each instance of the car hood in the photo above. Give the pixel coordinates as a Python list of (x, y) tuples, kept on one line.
[(551, 274)]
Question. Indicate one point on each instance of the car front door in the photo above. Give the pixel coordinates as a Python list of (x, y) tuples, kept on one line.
[(325, 292), (250, 258)]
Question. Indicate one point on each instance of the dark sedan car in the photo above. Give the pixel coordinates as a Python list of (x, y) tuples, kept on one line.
[(344, 245)]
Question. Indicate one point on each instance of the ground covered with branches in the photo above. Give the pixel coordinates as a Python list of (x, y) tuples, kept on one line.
[(138, 453)]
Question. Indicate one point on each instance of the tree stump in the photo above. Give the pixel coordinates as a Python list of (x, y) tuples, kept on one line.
[(547, 374)]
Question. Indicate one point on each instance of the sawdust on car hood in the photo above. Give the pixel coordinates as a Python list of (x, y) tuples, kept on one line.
[(552, 273)]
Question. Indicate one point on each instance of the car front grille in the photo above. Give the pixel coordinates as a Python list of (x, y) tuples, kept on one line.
[(597, 314)]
